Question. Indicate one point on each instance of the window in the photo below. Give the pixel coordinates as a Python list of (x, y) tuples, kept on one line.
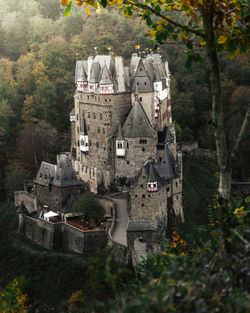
[(94, 116), (143, 196), (145, 83), (100, 116), (109, 100), (98, 130), (168, 189), (127, 145), (78, 143), (149, 196), (141, 185), (78, 129), (127, 162), (77, 116), (143, 141), (119, 145), (142, 204), (137, 83), (88, 97), (88, 115), (97, 144), (136, 196), (88, 127), (143, 149), (141, 99), (103, 130), (176, 184), (90, 143)]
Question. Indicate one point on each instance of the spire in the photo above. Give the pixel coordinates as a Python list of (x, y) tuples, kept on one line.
[(168, 166), (151, 176), (105, 77), (119, 133), (169, 136)]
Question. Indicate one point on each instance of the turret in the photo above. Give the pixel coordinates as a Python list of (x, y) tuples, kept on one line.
[(106, 83), (152, 182)]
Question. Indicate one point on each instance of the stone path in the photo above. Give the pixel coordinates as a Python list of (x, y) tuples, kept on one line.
[(119, 234)]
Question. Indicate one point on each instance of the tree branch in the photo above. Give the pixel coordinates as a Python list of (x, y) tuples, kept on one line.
[(146, 7), (241, 136)]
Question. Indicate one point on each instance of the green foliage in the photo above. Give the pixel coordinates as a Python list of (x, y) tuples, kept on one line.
[(89, 206)]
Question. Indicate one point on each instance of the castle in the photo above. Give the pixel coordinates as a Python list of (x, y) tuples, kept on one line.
[(123, 135), (123, 138)]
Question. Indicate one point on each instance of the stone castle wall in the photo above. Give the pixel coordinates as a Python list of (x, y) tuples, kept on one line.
[(28, 199), (136, 154), (54, 197), (103, 114), (56, 235), (142, 202)]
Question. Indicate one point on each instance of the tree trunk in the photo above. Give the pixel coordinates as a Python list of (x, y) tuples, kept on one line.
[(225, 171)]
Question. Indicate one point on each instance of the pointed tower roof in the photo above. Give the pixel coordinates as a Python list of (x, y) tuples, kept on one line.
[(151, 175), (119, 133), (169, 136), (106, 77), (95, 72), (137, 123), (168, 167)]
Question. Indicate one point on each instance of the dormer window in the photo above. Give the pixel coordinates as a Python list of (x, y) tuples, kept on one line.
[(152, 186), (120, 150)]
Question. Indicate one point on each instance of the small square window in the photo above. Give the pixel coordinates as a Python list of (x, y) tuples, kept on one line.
[(127, 162), (136, 196), (141, 185), (143, 196)]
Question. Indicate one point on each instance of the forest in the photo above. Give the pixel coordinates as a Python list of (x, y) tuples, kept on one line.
[(38, 50)]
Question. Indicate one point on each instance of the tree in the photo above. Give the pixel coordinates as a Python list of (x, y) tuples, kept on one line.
[(89, 206), (221, 26)]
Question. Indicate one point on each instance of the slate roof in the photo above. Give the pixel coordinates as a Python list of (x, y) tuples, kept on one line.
[(137, 123), (169, 136), (81, 70), (152, 174), (59, 175), (119, 133), (139, 225), (72, 112), (106, 76), (168, 168), (95, 73)]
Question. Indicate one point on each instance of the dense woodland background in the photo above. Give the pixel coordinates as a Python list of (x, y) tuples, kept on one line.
[(38, 50)]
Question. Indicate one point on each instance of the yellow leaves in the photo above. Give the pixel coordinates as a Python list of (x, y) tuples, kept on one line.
[(65, 2), (152, 33), (184, 38), (88, 11), (222, 39), (203, 42), (79, 3)]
